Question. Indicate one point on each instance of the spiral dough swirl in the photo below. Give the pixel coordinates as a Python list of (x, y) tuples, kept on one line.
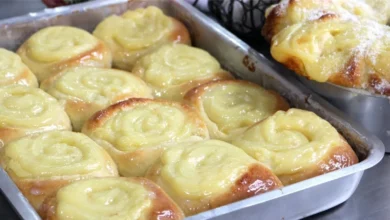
[(57, 154), (139, 32), (230, 106), (57, 43), (174, 69), (147, 123), (86, 90), (111, 198), (294, 142), (96, 85), (26, 110)]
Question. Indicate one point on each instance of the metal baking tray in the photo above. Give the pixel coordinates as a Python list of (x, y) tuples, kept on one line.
[(371, 110), (291, 202)]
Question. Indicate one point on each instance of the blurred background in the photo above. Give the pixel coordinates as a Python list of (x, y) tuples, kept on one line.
[(10, 8)]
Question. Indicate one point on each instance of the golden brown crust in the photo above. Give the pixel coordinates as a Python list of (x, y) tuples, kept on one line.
[(272, 22), (256, 180), (188, 87), (9, 134), (36, 191), (335, 159), (351, 75), (162, 208), (27, 77), (180, 33)]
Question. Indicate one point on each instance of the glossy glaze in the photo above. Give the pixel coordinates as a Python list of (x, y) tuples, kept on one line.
[(14, 71)]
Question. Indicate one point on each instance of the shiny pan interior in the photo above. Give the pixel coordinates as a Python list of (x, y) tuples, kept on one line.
[(370, 110)]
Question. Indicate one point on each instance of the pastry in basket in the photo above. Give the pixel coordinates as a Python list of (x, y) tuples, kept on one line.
[(136, 131), (344, 52), (297, 145), (289, 12), (86, 90), (204, 175), (139, 32), (41, 164), (229, 107), (14, 71), (111, 198), (26, 110), (52, 49), (176, 68)]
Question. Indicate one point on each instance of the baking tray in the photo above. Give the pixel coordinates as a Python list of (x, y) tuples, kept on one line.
[(291, 202), (370, 110)]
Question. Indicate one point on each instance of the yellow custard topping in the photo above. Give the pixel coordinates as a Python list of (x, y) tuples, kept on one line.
[(134, 33), (86, 90), (202, 169), (108, 198), (174, 69), (14, 71), (148, 124), (27, 107), (57, 155), (289, 142), (229, 107), (53, 44)]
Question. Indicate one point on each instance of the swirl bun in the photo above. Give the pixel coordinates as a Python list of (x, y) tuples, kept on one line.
[(86, 90), (27, 110), (43, 163), (111, 198), (229, 107), (289, 12), (139, 32), (319, 40), (204, 175), (14, 71), (136, 131), (297, 145), (329, 50), (174, 69), (55, 48)]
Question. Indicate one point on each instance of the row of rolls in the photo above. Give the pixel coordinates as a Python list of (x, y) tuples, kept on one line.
[(168, 133)]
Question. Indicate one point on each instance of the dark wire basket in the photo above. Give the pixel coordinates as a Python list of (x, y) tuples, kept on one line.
[(241, 16)]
